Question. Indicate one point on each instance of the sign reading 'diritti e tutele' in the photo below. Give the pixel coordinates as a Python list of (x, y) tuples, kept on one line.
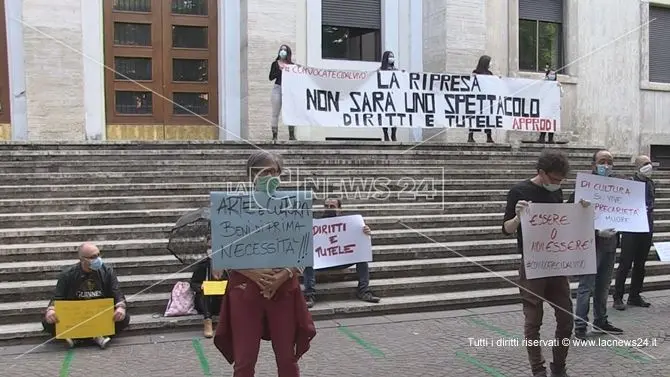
[(619, 203), (558, 240), (327, 98), (340, 241), (255, 230)]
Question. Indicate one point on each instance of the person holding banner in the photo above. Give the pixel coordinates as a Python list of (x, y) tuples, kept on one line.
[(552, 168), (598, 285), (388, 64), (89, 279), (635, 246), (264, 303), (549, 75), (483, 66), (284, 58), (333, 208)]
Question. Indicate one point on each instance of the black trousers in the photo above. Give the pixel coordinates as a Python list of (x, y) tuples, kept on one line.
[(486, 131), (205, 305), (634, 251), (50, 328)]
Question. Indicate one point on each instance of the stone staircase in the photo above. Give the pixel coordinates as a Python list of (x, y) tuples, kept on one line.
[(435, 211)]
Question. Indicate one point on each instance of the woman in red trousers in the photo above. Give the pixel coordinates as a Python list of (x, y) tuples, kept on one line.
[(264, 304)]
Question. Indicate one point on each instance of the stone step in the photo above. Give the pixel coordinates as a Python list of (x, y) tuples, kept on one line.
[(78, 166), (151, 247), (319, 184), (412, 303), (378, 219), (42, 290)]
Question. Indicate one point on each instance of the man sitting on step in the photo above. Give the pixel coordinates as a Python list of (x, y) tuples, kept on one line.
[(89, 279), (333, 208)]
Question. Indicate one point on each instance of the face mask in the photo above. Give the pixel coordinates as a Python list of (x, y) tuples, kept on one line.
[(95, 264), (391, 61), (551, 187), (283, 54), (646, 170), (329, 213), (268, 184), (603, 170), (551, 77)]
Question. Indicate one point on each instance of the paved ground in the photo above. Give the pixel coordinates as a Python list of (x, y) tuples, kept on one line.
[(429, 344)]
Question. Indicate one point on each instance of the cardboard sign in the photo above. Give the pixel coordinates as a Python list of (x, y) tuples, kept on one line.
[(619, 203), (214, 287), (558, 240), (340, 241), (256, 230), (663, 251), (334, 98), (81, 319)]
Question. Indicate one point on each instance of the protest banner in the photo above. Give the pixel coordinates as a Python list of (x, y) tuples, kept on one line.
[(558, 240), (256, 230), (619, 203), (663, 251), (340, 241), (82, 319), (332, 98), (214, 287)]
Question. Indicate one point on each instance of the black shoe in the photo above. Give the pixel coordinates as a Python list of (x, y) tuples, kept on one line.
[(368, 297), (551, 138), (607, 328), (638, 301), (489, 139), (310, 301), (540, 374), (471, 138), (580, 334), (558, 372), (619, 305)]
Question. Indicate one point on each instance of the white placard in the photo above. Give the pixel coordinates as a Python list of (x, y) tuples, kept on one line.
[(332, 98), (558, 240), (663, 251), (340, 241), (619, 203)]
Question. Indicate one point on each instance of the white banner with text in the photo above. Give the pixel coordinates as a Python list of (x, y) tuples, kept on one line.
[(332, 98)]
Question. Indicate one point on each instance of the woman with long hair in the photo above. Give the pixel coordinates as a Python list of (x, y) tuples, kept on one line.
[(388, 64), (284, 58), (264, 303), (483, 66)]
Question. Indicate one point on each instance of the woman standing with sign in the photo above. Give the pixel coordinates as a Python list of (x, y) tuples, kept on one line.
[(482, 69), (388, 64), (264, 303), (284, 58)]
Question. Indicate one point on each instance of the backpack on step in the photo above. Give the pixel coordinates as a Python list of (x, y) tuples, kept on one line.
[(182, 301)]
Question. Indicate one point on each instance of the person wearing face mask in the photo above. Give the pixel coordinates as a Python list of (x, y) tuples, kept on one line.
[(549, 75), (264, 303), (388, 64), (598, 285), (483, 66), (333, 208), (89, 279), (635, 246), (545, 187), (284, 58)]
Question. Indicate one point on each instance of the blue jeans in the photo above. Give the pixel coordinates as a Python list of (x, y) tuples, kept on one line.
[(363, 270), (597, 285)]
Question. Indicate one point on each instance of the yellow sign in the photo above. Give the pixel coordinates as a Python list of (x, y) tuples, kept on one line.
[(214, 288), (82, 319)]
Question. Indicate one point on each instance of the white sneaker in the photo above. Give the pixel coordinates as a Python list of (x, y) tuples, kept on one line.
[(70, 343), (102, 341)]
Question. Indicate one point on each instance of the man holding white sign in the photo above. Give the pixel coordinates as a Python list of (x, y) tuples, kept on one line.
[(331, 253), (607, 239), (552, 168)]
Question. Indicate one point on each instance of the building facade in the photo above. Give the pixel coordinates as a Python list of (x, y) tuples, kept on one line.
[(114, 69)]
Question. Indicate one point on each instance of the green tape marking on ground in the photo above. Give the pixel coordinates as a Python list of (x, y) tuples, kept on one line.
[(490, 370), (67, 361), (627, 352), (204, 363), (374, 351)]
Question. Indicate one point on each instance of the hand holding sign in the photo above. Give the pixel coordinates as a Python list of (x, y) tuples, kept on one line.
[(366, 230), (584, 203), (50, 317), (521, 205), (119, 314)]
